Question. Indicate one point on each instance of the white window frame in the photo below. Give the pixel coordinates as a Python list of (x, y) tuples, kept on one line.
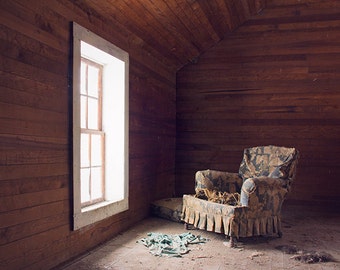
[(115, 103)]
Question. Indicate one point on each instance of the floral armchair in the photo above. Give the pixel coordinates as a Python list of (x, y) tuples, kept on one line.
[(259, 188)]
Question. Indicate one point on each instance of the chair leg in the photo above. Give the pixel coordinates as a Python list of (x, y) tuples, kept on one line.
[(231, 242), (186, 226)]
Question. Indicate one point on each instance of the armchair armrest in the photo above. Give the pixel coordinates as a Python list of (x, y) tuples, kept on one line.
[(218, 180), (263, 194)]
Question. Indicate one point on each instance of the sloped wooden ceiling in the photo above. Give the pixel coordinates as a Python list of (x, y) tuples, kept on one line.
[(179, 30)]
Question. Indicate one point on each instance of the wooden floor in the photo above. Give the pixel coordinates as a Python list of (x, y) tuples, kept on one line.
[(303, 229)]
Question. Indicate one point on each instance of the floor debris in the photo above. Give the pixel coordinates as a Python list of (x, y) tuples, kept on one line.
[(256, 254), (313, 257), (160, 244), (305, 256)]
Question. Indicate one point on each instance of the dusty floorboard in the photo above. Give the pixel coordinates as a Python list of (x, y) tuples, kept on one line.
[(304, 229)]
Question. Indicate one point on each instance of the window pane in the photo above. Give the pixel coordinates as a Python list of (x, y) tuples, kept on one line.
[(97, 183), (85, 185), (83, 115), (96, 150), (93, 81), (83, 78), (84, 150), (93, 113)]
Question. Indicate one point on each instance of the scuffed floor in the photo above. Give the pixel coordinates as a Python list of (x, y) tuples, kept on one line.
[(303, 230)]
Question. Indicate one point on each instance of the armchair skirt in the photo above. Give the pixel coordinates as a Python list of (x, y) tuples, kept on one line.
[(234, 221)]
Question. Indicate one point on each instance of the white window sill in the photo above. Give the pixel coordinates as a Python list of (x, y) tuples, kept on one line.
[(96, 206)]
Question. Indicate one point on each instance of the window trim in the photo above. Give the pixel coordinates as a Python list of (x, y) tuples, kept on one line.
[(91, 214)]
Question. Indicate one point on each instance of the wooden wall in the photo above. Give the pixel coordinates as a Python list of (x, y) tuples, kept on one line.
[(275, 80), (35, 147)]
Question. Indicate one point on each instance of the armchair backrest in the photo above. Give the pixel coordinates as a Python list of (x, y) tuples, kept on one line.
[(272, 161)]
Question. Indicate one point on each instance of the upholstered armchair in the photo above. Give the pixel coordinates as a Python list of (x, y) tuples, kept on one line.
[(257, 191)]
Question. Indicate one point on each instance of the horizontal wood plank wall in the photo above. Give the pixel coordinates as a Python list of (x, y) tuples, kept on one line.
[(35, 163), (275, 80)]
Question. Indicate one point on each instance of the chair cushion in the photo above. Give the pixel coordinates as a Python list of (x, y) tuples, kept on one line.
[(272, 161)]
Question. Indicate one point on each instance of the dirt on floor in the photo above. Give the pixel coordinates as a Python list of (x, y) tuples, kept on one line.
[(311, 240)]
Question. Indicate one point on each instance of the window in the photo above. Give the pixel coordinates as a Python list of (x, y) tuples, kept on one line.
[(100, 128), (92, 145)]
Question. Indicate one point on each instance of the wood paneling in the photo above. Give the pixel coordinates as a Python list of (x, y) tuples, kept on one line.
[(275, 80), (178, 30), (35, 145)]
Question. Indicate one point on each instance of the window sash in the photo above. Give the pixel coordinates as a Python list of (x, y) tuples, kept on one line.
[(88, 94), (91, 173), (91, 161)]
